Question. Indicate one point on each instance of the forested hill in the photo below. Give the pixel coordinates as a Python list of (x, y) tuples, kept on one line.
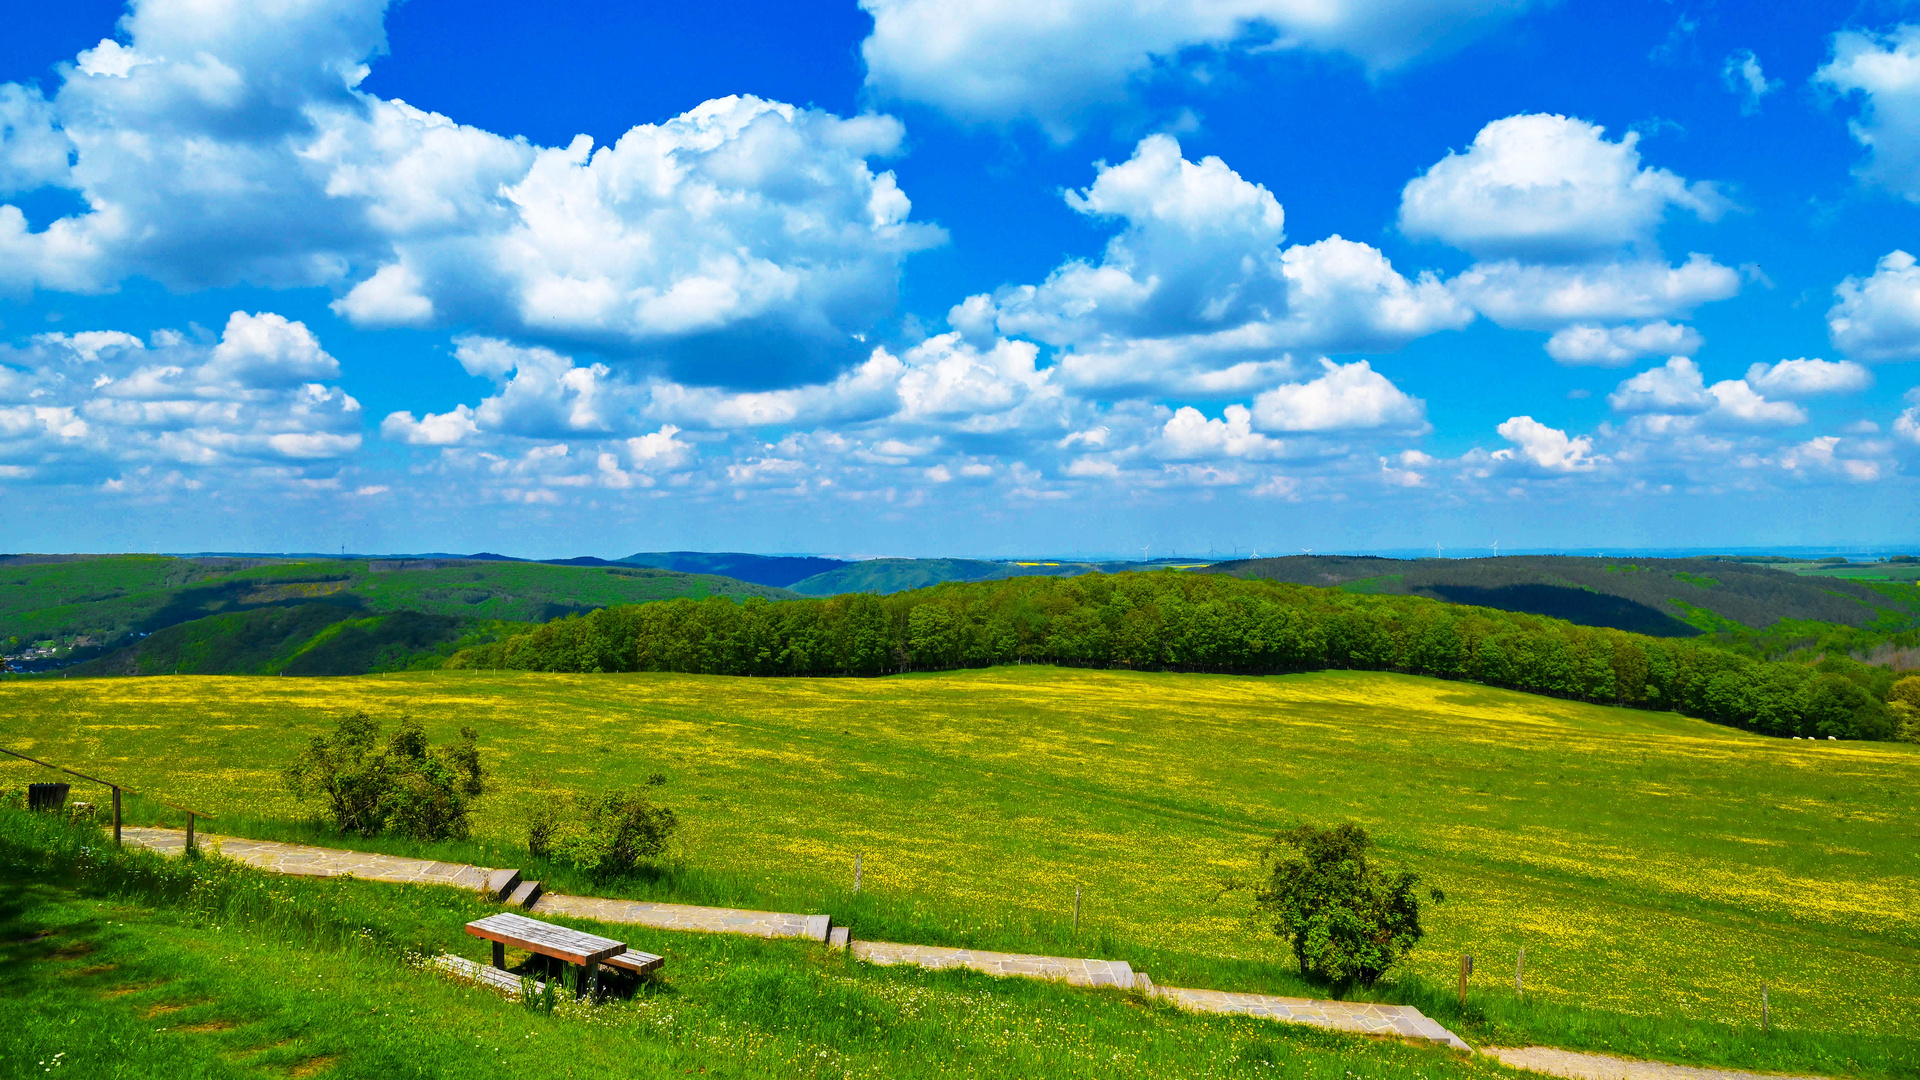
[(1660, 597), (1199, 622), (60, 610)]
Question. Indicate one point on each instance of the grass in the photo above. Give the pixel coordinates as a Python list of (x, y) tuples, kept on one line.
[(1657, 870), (130, 966)]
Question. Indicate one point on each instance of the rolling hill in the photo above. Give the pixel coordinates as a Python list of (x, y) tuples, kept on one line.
[(1662, 597), (898, 575), (61, 610), (779, 571)]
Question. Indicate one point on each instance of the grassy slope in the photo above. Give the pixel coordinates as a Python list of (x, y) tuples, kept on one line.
[(102, 984), (1650, 865), (104, 599), (1655, 596)]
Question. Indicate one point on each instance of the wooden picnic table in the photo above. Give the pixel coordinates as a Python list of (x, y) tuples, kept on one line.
[(559, 942)]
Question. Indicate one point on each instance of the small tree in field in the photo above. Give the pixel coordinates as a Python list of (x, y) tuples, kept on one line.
[(606, 835), (423, 792), (1348, 919)]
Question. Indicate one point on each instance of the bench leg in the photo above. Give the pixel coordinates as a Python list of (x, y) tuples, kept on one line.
[(592, 980), (500, 955)]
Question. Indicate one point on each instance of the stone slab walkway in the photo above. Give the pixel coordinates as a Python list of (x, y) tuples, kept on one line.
[(1579, 1066), (1361, 1017), (1070, 971), (317, 861), (1364, 1017), (712, 920)]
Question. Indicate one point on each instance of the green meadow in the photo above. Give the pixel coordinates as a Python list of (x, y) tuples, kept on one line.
[(1658, 871)]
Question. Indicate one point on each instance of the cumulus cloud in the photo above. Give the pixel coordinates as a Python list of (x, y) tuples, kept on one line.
[(1614, 346), (1548, 187), (1743, 76), (1545, 448), (996, 61), (1346, 397), (1197, 294), (1907, 425), (1191, 434), (100, 405), (1878, 317), (1807, 378), (1884, 71), (1826, 457), (223, 142), (1676, 398), (1546, 296)]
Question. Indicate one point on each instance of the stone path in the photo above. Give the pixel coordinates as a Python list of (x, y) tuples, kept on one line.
[(1364, 1017), (317, 861), (1073, 972), (685, 917), (1356, 1016), (1579, 1066)]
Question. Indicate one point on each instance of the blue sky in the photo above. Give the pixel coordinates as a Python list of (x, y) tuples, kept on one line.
[(920, 277)]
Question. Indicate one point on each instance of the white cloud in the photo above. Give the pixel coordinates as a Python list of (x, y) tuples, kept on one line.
[(1346, 397), (1613, 346), (999, 60), (1546, 448), (269, 350), (1885, 71), (1196, 294), (97, 405), (1743, 76), (1540, 186), (33, 152), (1824, 457), (1534, 296), (1679, 401), (1677, 386), (1191, 434), (1806, 378), (1878, 318), (1907, 424), (226, 142)]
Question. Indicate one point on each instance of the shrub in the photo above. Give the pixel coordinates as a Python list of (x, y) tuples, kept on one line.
[(423, 792), (1903, 701), (1348, 919), (606, 835)]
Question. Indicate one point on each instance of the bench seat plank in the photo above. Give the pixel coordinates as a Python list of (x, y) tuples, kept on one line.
[(573, 946), (504, 981), (637, 962)]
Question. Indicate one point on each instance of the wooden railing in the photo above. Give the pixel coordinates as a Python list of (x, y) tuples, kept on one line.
[(117, 789)]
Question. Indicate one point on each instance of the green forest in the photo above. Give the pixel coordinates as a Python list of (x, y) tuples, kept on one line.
[(1166, 621)]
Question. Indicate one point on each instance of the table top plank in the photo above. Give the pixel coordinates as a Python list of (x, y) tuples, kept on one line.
[(573, 946)]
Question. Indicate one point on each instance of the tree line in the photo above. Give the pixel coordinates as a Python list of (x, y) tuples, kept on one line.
[(1171, 621)]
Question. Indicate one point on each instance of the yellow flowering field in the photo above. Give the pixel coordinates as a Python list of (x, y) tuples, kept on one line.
[(1647, 863)]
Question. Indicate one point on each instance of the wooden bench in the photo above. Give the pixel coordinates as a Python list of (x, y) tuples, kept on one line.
[(572, 946)]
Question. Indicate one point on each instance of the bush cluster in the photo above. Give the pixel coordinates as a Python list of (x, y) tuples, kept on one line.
[(420, 791), (1347, 919), (606, 835), (1169, 621)]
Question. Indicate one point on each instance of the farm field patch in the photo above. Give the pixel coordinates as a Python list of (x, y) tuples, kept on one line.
[(1651, 866)]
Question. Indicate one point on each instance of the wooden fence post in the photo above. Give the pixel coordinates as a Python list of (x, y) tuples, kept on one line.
[(1076, 910), (1766, 1014), (1463, 977), (1466, 968), (116, 817), (1519, 966), (856, 872)]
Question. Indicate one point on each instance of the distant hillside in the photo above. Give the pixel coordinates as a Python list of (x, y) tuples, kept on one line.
[(58, 610), (897, 575), (1662, 597), (309, 639), (779, 571)]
